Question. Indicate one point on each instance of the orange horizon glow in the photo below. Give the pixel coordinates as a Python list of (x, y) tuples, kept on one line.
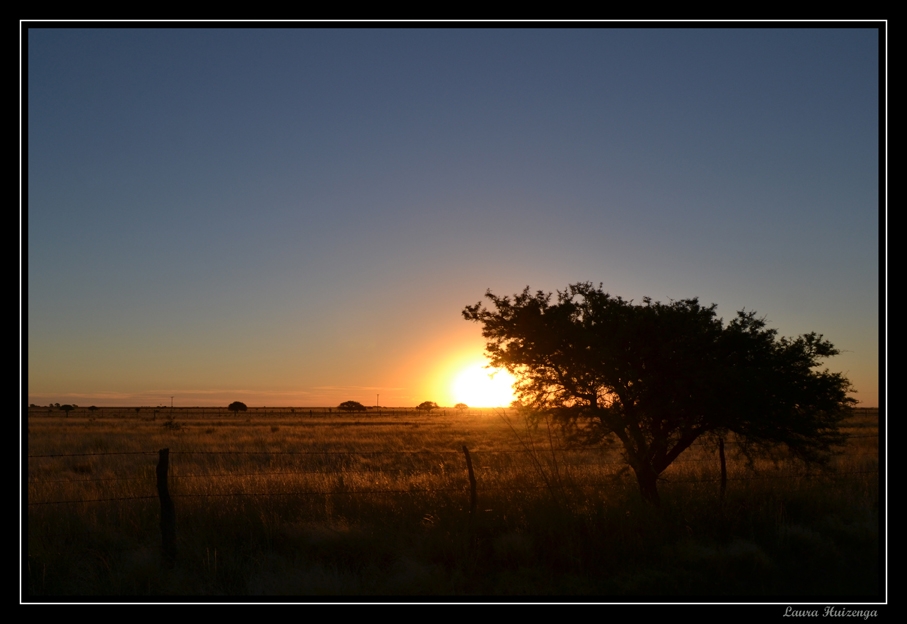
[(478, 385)]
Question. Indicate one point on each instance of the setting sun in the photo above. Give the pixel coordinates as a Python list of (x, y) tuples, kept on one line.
[(478, 386)]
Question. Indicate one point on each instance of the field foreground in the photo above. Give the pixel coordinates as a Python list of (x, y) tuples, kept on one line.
[(274, 502)]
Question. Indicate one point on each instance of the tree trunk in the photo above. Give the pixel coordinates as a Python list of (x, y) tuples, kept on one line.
[(648, 484)]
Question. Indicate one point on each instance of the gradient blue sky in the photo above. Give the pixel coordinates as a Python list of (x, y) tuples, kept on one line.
[(298, 216)]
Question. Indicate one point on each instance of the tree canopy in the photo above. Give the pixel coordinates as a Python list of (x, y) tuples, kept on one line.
[(237, 406), (658, 376), (352, 406), (427, 406)]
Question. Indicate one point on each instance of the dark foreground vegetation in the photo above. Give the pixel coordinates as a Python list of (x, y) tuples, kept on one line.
[(314, 504)]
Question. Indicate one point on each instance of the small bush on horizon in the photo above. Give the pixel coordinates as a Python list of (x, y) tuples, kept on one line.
[(237, 406), (352, 406), (427, 406)]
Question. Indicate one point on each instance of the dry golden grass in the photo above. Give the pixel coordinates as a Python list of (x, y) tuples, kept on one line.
[(300, 503)]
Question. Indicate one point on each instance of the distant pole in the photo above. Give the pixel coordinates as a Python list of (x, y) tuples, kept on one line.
[(171, 402)]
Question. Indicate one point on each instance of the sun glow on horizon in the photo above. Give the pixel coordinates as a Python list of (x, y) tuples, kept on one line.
[(478, 386)]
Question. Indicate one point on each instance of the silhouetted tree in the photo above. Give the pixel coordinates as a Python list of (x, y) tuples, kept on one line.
[(461, 407), (351, 406), (427, 406), (67, 408), (237, 406), (658, 376)]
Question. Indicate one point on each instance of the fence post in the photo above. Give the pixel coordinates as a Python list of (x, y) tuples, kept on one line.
[(723, 467), (472, 483), (168, 513)]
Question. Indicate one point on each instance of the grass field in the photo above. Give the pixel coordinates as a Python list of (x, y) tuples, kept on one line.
[(271, 502)]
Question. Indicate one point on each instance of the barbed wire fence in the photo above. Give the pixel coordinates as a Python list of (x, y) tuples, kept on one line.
[(470, 487), (351, 454)]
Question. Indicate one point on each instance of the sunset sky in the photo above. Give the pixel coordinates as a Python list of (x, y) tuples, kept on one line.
[(297, 216)]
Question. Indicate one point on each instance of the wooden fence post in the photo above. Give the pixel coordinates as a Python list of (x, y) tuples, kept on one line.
[(723, 461), (168, 513), (472, 483)]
